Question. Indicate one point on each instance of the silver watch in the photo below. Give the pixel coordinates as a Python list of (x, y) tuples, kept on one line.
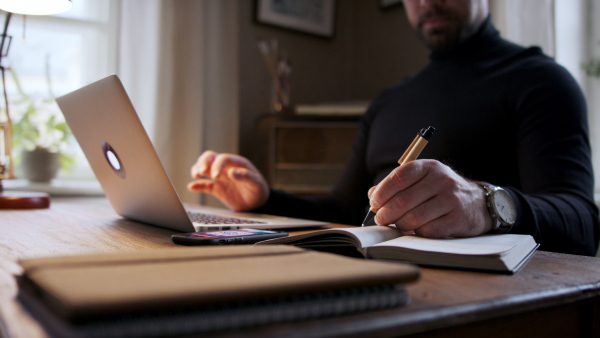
[(501, 207)]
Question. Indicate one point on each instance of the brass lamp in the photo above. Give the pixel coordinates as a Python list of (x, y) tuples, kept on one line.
[(18, 199)]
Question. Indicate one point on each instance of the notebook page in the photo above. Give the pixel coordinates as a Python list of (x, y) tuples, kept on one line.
[(480, 245)]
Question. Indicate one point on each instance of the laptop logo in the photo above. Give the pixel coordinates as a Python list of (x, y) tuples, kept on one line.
[(113, 159)]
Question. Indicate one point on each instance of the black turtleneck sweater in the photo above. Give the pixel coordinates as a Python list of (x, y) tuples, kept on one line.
[(503, 114)]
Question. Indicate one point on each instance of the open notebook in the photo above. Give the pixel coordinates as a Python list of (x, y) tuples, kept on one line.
[(114, 141)]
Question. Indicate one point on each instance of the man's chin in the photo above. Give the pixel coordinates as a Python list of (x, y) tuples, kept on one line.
[(440, 41)]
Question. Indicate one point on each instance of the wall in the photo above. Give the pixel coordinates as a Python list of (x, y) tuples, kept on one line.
[(372, 48)]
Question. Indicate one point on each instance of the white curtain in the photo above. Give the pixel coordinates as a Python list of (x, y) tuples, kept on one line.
[(178, 61), (528, 23), (531, 23), (592, 50)]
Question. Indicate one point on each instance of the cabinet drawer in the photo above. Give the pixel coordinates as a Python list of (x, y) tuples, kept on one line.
[(308, 157), (319, 144)]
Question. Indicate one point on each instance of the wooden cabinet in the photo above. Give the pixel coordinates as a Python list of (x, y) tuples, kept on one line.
[(306, 154)]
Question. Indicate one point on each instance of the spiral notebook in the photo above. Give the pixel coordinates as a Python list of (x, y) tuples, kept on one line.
[(181, 291)]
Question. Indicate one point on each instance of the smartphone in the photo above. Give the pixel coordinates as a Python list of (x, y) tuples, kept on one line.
[(241, 236)]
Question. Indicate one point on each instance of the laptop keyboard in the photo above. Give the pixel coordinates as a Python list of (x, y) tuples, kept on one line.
[(201, 218)]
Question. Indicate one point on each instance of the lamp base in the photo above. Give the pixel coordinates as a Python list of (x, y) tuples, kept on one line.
[(24, 200)]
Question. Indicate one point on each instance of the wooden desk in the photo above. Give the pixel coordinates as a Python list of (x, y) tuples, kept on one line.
[(554, 295)]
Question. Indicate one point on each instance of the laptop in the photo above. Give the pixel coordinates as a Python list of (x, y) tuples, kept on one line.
[(114, 141)]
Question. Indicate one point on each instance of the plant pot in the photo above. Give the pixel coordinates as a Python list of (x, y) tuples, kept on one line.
[(40, 165)]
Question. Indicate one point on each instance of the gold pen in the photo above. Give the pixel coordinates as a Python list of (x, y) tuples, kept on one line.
[(411, 153)]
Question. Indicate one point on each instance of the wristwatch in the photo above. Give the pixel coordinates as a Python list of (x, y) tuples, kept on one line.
[(501, 207)]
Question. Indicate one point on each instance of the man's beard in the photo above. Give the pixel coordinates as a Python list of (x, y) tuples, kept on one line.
[(444, 38)]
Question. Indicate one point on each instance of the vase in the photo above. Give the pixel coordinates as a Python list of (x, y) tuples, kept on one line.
[(40, 164)]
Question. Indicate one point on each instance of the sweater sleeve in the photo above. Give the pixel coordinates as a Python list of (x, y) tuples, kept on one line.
[(556, 203)]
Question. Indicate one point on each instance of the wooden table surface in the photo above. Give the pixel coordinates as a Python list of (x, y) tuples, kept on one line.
[(552, 295)]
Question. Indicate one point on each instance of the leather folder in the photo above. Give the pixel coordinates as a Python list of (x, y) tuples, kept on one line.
[(82, 289)]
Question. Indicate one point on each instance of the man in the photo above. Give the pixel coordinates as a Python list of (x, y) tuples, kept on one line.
[(510, 152)]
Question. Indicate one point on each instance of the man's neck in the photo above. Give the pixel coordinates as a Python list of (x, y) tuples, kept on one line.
[(483, 29)]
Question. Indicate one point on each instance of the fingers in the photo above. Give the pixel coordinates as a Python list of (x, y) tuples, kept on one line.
[(400, 179), (371, 191), (201, 186), (202, 166), (207, 185), (245, 175), (212, 164), (405, 188), (222, 162), (430, 199), (232, 179), (418, 211), (437, 228)]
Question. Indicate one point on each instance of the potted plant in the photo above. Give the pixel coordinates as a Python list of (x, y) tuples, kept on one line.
[(39, 135), (592, 67)]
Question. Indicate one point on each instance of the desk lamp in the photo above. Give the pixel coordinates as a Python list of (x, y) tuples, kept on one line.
[(19, 199)]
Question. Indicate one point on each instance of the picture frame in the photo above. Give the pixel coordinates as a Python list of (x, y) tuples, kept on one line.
[(315, 17), (386, 4)]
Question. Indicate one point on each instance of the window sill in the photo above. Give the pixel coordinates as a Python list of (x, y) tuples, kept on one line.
[(57, 187)]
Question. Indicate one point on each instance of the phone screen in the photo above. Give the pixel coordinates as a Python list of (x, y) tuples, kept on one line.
[(242, 236), (229, 233)]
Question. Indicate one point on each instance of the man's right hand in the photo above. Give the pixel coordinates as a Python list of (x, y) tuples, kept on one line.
[(233, 179)]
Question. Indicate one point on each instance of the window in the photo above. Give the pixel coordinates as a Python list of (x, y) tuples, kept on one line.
[(53, 55)]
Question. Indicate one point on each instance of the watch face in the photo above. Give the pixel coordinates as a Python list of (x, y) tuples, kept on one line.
[(505, 207)]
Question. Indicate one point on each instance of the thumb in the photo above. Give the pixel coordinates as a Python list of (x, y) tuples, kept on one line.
[(245, 176), (202, 186)]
